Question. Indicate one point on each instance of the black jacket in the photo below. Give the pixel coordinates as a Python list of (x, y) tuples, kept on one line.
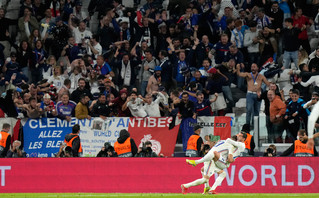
[(75, 96)]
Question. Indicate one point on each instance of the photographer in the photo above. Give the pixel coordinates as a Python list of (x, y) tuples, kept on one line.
[(107, 151), (15, 151), (65, 151), (146, 150), (271, 151)]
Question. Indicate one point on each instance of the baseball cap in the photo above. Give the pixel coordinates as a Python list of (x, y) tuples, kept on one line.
[(158, 68), (47, 96), (196, 127), (212, 70)]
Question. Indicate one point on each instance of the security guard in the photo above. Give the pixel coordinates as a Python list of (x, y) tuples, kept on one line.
[(249, 142), (5, 140), (73, 140), (125, 146), (194, 143), (299, 147)]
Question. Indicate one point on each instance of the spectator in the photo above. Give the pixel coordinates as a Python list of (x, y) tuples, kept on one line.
[(65, 107), (27, 23), (109, 88), (106, 33), (251, 41), (80, 32), (95, 48), (146, 150), (125, 145), (262, 19), (194, 143), (47, 67), (100, 108), (71, 50), (61, 34), (271, 151), (154, 81), (39, 56), (147, 69), (74, 78), (221, 48), (24, 55), (299, 147), (274, 122), (238, 56), (313, 80), (81, 109), (301, 21), (65, 88), (5, 39), (310, 104), (81, 90), (290, 33), (268, 47), (151, 107), (33, 109), (5, 140), (254, 81), (103, 67), (118, 102), (48, 107), (228, 70), (15, 151), (314, 62), (73, 140), (186, 107), (135, 104), (180, 63), (294, 113), (126, 67), (107, 151)]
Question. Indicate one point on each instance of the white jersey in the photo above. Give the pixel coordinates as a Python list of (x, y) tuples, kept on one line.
[(236, 149)]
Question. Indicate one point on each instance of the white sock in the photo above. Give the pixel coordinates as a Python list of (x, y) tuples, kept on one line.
[(219, 180), (206, 183), (208, 157), (195, 183)]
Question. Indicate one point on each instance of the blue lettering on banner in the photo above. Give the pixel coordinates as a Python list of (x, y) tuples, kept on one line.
[(121, 123), (42, 137)]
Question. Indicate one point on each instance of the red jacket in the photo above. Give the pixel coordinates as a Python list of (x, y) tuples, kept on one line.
[(303, 20)]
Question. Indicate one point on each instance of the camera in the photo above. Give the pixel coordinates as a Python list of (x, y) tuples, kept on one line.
[(270, 150)]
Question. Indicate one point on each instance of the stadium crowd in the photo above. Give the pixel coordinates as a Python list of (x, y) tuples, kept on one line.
[(175, 58)]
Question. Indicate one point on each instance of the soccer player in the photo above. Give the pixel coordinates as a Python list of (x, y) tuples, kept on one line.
[(237, 149), (215, 158), (311, 125)]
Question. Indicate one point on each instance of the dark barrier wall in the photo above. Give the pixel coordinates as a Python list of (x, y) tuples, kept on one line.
[(162, 175)]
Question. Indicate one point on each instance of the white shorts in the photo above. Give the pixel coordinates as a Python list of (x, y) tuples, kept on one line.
[(210, 168), (221, 163)]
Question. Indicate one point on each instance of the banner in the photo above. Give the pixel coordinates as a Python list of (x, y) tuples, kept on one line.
[(42, 137), (156, 131), (217, 126), (165, 175)]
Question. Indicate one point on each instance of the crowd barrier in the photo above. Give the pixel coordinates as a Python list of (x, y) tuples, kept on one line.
[(42, 137), (155, 175)]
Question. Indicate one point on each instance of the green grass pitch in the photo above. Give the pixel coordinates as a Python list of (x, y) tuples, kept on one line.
[(137, 195)]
